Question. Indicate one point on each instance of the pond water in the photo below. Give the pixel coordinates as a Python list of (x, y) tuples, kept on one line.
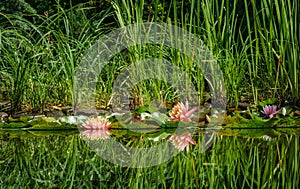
[(66, 159)]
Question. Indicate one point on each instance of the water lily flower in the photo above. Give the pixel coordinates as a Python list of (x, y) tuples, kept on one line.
[(95, 134), (181, 142), (95, 128), (181, 112), (96, 124), (269, 111)]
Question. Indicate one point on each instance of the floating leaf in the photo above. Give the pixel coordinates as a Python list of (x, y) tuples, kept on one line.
[(159, 137), (39, 133), (14, 125), (141, 126), (146, 108), (52, 126), (269, 101)]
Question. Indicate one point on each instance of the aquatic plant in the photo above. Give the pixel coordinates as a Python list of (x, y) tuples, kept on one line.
[(96, 124), (95, 128), (95, 134), (181, 112), (181, 142), (269, 111)]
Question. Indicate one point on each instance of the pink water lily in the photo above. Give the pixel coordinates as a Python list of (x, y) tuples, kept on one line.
[(96, 124), (270, 111), (95, 128), (95, 134), (181, 112), (182, 142)]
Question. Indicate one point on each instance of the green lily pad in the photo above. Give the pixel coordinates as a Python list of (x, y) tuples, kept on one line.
[(16, 133), (23, 119), (141, 126), (52, 126), (39, 133), (120, 129), (146, 108), (159, 136), (118, 132), (14, 125), (170, 124), (269, 101), (239, 121)]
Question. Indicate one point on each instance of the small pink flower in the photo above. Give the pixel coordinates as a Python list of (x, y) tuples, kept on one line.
[(267, 137), (181, 112), (95, 134), (182, 141), (269, 111), (96, 124)]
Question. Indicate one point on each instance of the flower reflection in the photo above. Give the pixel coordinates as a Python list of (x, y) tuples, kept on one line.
[(181, 142), (95, 134), (181, 112), (95, 128), (96, 124)]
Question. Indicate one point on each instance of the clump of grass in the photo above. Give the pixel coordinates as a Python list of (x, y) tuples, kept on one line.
[(39, 60)]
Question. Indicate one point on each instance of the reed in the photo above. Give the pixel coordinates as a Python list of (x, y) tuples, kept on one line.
[(255, 44)]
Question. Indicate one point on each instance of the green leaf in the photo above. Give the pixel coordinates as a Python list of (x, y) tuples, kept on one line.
[(269, 101), (146, 108), (14, 125)]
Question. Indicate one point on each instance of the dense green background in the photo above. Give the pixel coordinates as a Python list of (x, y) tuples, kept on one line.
[(255, 42)]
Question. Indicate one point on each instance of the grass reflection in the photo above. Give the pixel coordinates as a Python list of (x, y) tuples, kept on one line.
[(231, 162)]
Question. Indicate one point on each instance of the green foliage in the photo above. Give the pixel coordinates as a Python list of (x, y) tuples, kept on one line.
[(268, 102), (38, 61), (41, 43), (232, 162)]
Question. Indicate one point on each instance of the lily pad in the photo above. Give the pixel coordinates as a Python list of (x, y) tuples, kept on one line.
[(239, 121), (141, 126), (52, 126), (14, 125), (146, 108), (269, 101), (16, 133), (39, 133)]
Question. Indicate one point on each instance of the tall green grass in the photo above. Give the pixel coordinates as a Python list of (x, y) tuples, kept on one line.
[(231, 162), (255, 44), (38, 61)]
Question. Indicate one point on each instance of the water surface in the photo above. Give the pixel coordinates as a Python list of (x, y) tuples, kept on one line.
[(67, 160)]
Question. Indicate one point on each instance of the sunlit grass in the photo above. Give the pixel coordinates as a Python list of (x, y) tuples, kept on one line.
[(255, 44)]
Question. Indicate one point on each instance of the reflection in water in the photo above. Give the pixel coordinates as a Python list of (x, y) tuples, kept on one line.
[(182, 142), (231, 162), (96, 124), (95, 134), (95, 128)]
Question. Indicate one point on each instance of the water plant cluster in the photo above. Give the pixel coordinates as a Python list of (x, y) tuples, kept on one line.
[(47, 141), (255, 44), (159, 126)]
